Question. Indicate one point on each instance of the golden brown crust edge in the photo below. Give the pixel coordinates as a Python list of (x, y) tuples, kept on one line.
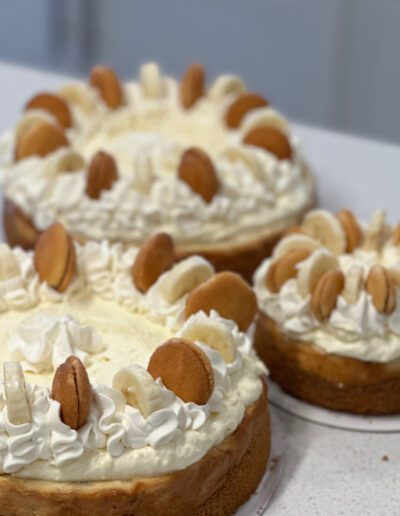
[(243, 258), (331, 381), (215, 485)]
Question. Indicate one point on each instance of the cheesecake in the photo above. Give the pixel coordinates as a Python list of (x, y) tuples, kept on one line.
[(215, 166), (129, 382), (329, 313)]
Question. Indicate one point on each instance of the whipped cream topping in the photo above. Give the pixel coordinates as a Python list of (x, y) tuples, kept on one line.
[(147, 136), (354, 330), (42, 342), (106, 322), (156, 303)]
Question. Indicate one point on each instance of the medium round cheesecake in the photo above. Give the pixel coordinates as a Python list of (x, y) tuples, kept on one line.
[(215, 167), (129, 383), (329, 322)]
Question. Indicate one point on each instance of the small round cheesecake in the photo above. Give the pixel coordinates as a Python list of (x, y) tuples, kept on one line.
[(117, 397), (215, 167), (329, 323)]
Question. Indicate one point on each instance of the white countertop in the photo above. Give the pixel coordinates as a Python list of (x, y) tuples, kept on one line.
[(328, 471)]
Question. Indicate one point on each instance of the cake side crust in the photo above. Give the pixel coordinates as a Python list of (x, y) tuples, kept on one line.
[(217, 484), (331, 381)]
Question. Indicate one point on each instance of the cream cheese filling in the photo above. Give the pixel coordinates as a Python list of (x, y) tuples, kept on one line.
[(127, 337)]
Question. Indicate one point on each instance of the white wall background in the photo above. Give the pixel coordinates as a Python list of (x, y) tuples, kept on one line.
[(333, 63)]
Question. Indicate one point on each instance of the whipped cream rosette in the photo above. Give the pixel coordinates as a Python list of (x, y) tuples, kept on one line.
[(215, 167), (109, 380), (330, 312)]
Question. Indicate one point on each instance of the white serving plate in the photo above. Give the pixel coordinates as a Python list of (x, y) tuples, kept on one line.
[(259, 502), (331, 418)]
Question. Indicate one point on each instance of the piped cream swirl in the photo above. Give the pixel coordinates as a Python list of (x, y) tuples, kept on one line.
[(355, 330), (42, 342)]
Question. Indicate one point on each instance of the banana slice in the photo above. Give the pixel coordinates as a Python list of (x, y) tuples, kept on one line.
[(139, 388), (184, 277), (9, 267), (18, 409), (326, 228), (80, 95), (265, 116), (247, 156), (67, 161), (152, 82), (226, 85), (295, 241), (376, 232), (353, 284), (313, 268), (143, 177), (212, 333)]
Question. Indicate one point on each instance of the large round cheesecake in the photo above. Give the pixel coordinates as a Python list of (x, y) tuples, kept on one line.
[(329, 323), (215, 167), (129, 383)]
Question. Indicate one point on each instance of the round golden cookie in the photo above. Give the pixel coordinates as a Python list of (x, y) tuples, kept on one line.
[(55, 259), (270, 277), (184, 369), (241, 106), (53, 104), (285, 268), (155, 256), (70, 162), (105, 80), (228, 294), (380, 285), (71, 388), (197, 170), (325, 294), (39, 139), (270, 139), (192, 85), (70, 271), (18, 227), (101, 174), (351, 229)]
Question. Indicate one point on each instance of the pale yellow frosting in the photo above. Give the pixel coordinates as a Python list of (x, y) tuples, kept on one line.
[(109, 324)]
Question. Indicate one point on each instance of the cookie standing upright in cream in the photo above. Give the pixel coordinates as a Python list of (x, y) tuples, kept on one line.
[(217, 168), (117, 394), (329, 326)]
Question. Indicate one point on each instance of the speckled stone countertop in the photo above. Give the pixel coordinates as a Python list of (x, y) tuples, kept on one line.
[(332, 472)]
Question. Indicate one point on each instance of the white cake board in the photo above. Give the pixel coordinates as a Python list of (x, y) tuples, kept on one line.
[(258, 503), (331, 418)]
